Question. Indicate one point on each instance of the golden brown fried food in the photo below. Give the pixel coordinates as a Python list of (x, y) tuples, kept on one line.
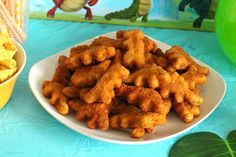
[(186, 111), (181, 91), (62, 59), (181, 60), (74, 92), (132, 42), (72, 62), (85, 76), (78, 49), (62, 75), (147, 99), (92, 55), (151, 75), (155, 56), (149, 45), (105, 41), (53, 90), (118, 59), (160, 58), (159, 53), (167, 106), (193, 77), (137, 121), (96, 114), (122, 107), (161, 61), (176, 60), (149, 58), (97, 54), (93, 78), (103, 91), (121, 117)]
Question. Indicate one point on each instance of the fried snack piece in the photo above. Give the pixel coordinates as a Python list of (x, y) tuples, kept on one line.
[(193, 77), (52, 90), (137, 121), (181, 60), (186, 111), (7, 47), (72, 62), (103, 91), (78, 49), (176, 60), (161, 61), (92, 55), (88, 75), (62, 75), (149, 45), (74, 92), (62, 59), (96, 114), (5, 74), (122, 107), (97, 54), (105, 41), (9, 63), (3, 68), (118, 59), (167, 106), (147, 99), (160, 58), (149, 58), (151, 75), (181, 91), (132, 42)]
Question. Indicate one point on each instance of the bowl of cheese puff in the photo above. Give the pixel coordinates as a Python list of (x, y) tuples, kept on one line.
[(12, 62)]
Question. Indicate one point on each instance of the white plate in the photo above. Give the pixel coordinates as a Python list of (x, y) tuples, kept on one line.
[(212, 92)]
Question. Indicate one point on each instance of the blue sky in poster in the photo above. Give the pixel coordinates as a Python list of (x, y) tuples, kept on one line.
[(161, 9)]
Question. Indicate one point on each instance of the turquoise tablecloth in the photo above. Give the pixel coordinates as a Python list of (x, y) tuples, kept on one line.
[(27, 130)]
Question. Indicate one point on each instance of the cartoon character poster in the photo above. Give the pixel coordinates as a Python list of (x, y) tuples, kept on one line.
[(180, 14)]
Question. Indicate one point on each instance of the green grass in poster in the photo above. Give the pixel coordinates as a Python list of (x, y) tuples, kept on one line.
[(208, 25)]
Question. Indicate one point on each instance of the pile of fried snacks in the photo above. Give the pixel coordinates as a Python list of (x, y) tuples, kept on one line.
[(127, 83)]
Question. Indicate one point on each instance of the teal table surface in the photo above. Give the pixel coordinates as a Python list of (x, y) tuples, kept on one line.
[(27, 130)]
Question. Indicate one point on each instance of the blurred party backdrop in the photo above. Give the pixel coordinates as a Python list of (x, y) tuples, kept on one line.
[(162, 13)]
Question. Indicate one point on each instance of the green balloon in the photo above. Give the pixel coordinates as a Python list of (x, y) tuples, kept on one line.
[(226, 27)]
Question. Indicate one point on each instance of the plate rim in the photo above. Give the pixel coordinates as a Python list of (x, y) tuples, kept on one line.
[(60, 118)]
